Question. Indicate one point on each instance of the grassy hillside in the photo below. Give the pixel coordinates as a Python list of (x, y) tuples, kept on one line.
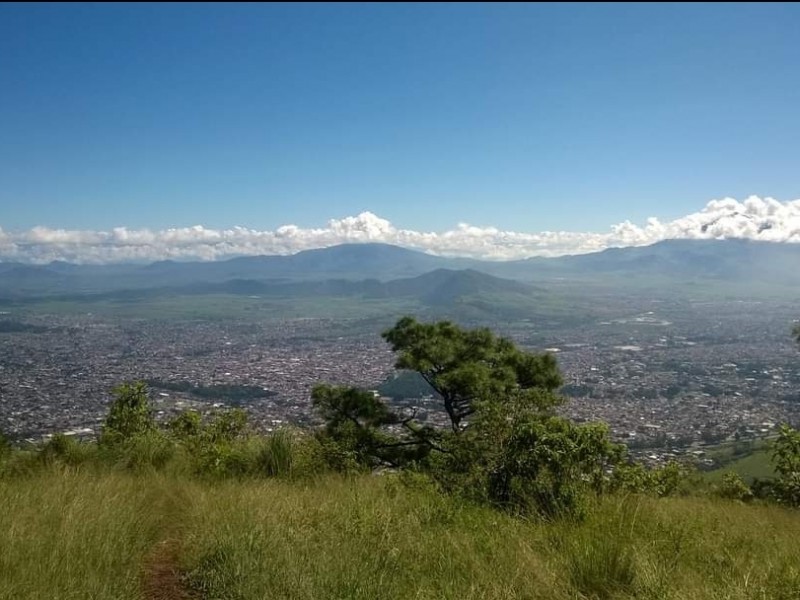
[(750, 460), (98, 533), (79, 535), (757, 465), (467, 293)]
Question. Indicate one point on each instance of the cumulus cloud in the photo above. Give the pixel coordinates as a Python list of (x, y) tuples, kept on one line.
[(755, 218)]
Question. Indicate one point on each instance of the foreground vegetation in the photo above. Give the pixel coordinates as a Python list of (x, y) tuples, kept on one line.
[(509, 501), (209, 509), (85, 532)]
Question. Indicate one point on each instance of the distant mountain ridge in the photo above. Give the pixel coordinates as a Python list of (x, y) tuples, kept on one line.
[(440, 287), (726, 260), (719, 259)]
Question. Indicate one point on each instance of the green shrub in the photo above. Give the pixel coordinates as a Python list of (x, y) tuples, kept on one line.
[(356, 425), (187, 426), (224, 446), (504, 445), (276, 457), (527, 462), (337, 456), (226, 426), (308, 455), (786, 458), (149, 450), (130, 414), (669, 479), (5, 446), (20, 463), (666, 480), (733, 487), (227, 458), (67, 450)]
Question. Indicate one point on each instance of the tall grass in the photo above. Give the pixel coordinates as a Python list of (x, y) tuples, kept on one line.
[(373, 538), (644, 547), (76, 535), (276, 456), (91, 530), (364, 538)]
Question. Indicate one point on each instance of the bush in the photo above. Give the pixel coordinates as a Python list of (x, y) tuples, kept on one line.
[(5, 449), (631, 478), (355, 427), (187, 426), (504, 445), (222, 446), (786, 458), (146, 451), (227, 426), (308, 455), (67, 450), (276, 457), (733, 487), (662, 481), (130, 414), (231, 458), (337, 456), (527, 462), (549, 464)]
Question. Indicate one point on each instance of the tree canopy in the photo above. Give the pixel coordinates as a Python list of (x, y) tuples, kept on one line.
[(504, 443), (466, 367), (786, 460), (130, 414), (358, 421)]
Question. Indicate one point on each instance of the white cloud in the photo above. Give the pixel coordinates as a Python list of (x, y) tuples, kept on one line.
[(755, 218)]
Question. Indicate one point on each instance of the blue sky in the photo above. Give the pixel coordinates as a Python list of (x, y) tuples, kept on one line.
[(526, 118)]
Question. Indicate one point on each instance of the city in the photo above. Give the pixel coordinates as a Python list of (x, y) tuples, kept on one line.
[(667, 377)]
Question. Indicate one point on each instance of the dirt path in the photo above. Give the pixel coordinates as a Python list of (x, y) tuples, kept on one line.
[(161, 579)]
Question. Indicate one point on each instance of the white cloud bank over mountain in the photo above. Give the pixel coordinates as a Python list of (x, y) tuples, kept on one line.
[(755, 218)]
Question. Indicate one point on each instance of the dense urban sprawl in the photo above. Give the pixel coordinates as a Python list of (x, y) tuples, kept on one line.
[(666, 380)]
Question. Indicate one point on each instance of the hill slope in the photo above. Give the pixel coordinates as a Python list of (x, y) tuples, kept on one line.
[(105, 534)]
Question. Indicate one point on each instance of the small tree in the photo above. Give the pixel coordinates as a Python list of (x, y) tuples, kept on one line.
[(733, 487), (520, 458), (548, 464), (187, 426), (130, 414), (504, 444), (786, 459), (356, 420), (220, 445)]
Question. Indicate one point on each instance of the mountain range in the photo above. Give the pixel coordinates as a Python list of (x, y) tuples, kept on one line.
[(381, 270)]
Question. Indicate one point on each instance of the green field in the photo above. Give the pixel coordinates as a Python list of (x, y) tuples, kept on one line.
[(749, 459), (222, 306), (757, 465)]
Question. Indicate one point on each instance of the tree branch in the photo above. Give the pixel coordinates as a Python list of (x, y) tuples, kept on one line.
[(425, 440)]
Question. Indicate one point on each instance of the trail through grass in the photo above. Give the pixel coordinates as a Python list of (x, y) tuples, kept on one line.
[(67, 534)]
